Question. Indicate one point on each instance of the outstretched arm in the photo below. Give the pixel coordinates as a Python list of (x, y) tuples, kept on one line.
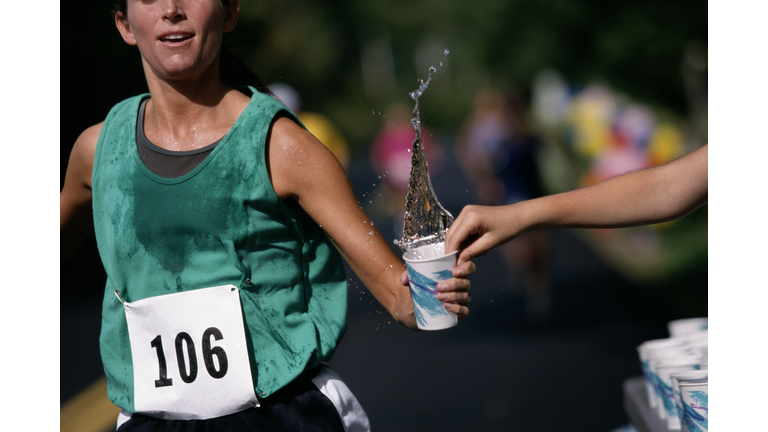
[(647, 196), (75, 216), (303, 169)]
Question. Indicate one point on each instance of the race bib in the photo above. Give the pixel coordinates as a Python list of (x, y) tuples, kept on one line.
[(190, 359)]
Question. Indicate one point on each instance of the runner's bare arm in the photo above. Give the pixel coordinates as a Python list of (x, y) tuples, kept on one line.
[(303, 169), (76, 215)]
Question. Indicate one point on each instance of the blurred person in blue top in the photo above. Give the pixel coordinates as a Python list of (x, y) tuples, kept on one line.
[(498, 151), (221, 224)]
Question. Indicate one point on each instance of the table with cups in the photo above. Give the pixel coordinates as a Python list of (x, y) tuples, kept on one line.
[(672, 394)]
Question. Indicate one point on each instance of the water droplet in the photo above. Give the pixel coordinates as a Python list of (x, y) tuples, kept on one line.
[(370, 232), (445, 52)]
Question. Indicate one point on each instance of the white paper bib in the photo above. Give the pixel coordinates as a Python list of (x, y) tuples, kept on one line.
[(190, 358)]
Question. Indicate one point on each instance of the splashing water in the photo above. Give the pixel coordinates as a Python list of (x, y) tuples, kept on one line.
[(426, 221)]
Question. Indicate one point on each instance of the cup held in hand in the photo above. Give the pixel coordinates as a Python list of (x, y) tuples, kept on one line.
[(427, 266)]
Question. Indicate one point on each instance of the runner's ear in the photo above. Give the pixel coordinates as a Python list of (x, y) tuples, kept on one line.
[(121, 21), (230, 19)]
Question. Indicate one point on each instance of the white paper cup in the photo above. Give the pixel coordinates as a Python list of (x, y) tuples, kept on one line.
[(660, 388), (426, 267), (663, 369), (687, 326), (694, 337), (652, 349), (675, 378), (694, 394)]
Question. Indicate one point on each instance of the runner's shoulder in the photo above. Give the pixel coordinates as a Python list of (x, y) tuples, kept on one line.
[(84, 150), (85, 145)]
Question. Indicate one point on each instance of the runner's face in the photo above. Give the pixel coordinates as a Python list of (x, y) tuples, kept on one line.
[(177, 38)]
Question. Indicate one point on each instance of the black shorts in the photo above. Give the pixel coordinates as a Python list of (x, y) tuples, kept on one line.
[(316, 401)]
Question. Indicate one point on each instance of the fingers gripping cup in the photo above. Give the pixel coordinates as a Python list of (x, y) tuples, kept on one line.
[(427, 266)]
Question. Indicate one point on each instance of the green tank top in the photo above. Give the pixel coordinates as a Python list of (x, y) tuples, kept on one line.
[(219, 224)]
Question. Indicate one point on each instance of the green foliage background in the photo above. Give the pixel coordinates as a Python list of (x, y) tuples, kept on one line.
[(636, 47)]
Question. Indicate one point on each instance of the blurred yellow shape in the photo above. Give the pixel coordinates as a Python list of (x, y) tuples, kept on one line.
[(89, 411), (591, 115), (326, 132), (665, 144)]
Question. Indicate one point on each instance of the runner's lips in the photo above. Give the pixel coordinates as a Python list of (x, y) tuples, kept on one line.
[(176, 37)]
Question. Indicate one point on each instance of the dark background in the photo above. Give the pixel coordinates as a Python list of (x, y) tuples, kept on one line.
[(497, 370)]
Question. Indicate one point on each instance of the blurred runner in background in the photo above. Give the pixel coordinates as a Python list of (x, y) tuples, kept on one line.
[(498, 152)]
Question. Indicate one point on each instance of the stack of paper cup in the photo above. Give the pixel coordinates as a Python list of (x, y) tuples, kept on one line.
[(695, 376), (663, 368), (684, 351), (657, 348), (427, 266), (694, 395)]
